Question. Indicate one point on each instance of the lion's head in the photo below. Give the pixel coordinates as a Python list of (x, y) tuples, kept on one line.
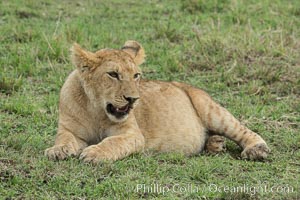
[(110, 77)]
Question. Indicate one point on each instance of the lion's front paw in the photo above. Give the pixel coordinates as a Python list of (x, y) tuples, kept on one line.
[(59, 152), (94, 154), (256, 152)]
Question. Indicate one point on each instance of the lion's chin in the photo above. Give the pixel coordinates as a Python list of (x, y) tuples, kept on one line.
[(115, 119)]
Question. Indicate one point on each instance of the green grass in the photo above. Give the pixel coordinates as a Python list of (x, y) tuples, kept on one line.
[(244, 53)]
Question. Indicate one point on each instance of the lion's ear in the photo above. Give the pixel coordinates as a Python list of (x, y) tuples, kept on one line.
[(82, 59), (135, 50)]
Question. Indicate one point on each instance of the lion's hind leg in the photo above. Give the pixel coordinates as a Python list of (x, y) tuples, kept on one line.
[(217, 119), (215, 144)]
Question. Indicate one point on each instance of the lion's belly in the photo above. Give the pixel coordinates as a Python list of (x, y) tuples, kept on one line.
[(168, 120)]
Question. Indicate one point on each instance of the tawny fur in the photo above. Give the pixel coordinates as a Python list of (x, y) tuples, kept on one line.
[(166, 117)]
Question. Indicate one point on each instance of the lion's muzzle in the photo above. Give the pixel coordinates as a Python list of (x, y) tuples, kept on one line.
[(118, 112)]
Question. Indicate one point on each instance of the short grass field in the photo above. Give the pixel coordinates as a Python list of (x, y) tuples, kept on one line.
[(245, 54)]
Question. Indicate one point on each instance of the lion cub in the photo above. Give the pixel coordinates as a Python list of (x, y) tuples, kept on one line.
[(107, 112)]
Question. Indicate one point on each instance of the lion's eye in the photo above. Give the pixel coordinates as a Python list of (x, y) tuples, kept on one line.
[(137, 75), (113, 75)]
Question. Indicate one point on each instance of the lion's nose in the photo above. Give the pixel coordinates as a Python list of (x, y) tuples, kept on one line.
[(131, 100)]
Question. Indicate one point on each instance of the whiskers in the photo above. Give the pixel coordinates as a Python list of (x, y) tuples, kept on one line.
[(120, 102)]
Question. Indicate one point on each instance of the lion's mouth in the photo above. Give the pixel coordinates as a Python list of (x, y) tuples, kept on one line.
[(118, 112)]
